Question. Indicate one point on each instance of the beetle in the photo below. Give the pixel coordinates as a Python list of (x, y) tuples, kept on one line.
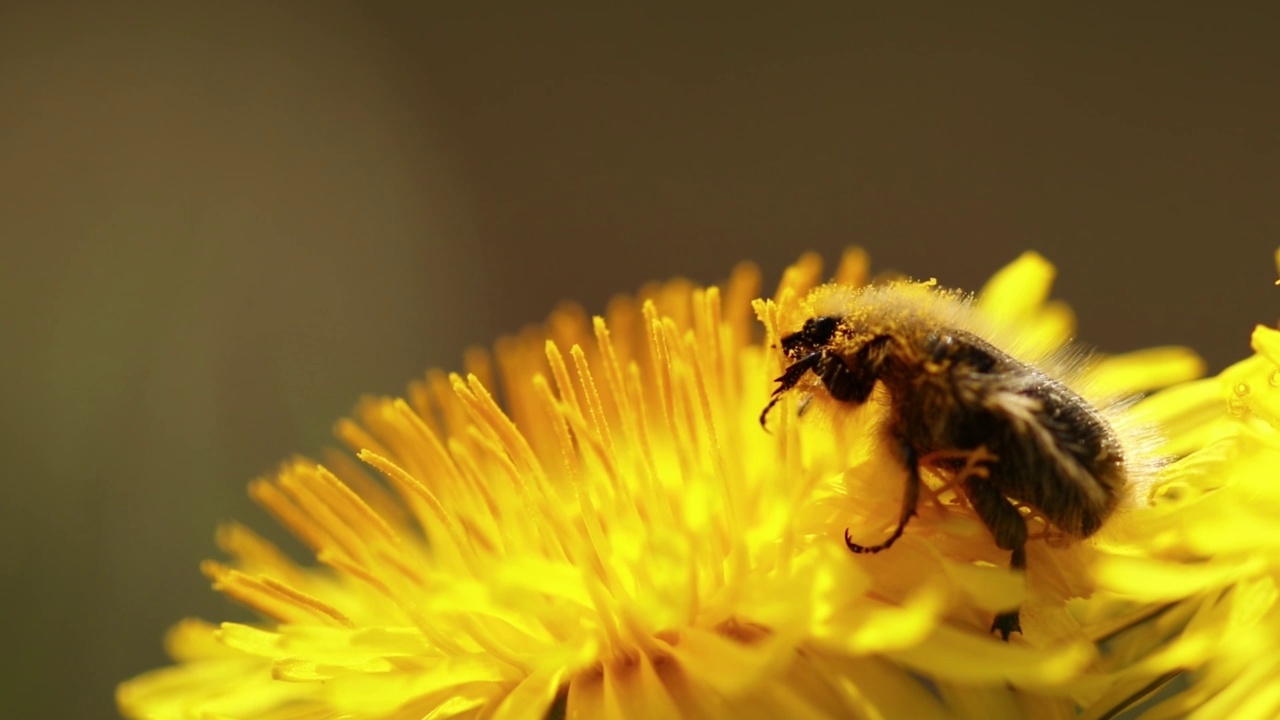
[(953, 392)]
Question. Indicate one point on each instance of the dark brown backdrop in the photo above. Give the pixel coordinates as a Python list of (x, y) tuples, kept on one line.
[(221, 225)]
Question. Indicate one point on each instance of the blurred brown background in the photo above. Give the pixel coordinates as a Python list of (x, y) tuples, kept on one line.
[(221, 224)]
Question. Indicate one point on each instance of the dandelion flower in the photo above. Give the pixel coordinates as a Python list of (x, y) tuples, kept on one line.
[(591, 522)]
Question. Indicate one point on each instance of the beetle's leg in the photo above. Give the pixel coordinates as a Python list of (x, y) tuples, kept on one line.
[(1008, 528), (853, 380), (910, 498), (788, 380)]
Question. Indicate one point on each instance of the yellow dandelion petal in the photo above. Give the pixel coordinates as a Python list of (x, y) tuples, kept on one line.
[(1152, 581), (883, 627), (1015, 297), (965, 657), (1262, 390), (1151, 369), (879, 689), (1018, 290), (590, 521)]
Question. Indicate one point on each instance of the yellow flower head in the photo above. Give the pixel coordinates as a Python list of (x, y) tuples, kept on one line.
[(617, 537)]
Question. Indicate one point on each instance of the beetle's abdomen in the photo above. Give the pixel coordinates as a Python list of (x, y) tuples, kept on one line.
[(1054, 451)]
